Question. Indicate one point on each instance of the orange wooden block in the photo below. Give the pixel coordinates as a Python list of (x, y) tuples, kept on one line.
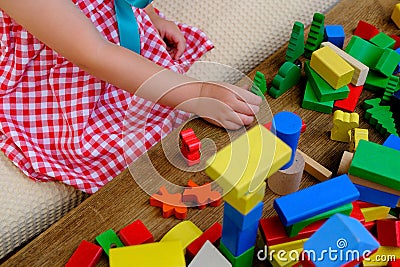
[(201, 195), (171, 204)]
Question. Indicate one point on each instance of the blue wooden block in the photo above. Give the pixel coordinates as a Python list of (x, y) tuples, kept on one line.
[(243, 221), (341, 239), (315, 199), (377, 197), (398, 65), (287, 126), (335, 34), (236, 240), (392, 141)]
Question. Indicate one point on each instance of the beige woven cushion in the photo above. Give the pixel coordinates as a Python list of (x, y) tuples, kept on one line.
[(244, 33), (27, 207)]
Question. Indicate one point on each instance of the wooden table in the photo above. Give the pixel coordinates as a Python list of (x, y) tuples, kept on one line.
[(122, 201)]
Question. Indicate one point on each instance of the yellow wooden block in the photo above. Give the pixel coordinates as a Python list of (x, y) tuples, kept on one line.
[(396, 15), (244, 164), (286, 259), (343, 123), (166, 254), (288, 246), (360, 70), (382, 256), (375, 213), (357, 135), (185, 232), (330, 66), (248, 202)]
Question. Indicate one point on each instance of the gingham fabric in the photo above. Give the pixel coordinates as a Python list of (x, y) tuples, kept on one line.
[(60, 123)]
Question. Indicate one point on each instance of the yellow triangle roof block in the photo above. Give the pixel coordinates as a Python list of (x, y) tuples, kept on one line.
[(241, 166)]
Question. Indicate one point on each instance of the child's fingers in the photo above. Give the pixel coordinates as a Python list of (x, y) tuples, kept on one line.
[(248, 97), (180, 44)]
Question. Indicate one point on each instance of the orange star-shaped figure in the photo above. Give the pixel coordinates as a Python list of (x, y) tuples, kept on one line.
[(171, 204)]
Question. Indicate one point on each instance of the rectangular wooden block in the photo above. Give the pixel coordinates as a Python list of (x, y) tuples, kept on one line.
[(237, 240), (243, 165), (323, 90), (377, 163), (311, 102), (243, 221), (273, 232), (295, 229), (382, 256), (375, 213), (360, 70), (393, 141), (349, 104), (315, 169), (167, 254), (246, 259), (315, 199), (377, 197), (335, 70), (246, 203)]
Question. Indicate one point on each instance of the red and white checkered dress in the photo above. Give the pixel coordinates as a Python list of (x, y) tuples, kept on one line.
[(60, 123)]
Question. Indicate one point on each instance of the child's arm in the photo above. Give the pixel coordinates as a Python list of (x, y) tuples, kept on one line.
[(63, 27)]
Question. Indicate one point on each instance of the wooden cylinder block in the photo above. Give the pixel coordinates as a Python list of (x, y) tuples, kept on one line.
[(287, 181)]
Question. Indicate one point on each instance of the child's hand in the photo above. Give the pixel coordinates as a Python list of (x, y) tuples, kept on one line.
[(227, 105), (173, 38)]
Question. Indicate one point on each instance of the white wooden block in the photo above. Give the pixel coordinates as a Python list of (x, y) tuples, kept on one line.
[(360, 70), (209, 256)]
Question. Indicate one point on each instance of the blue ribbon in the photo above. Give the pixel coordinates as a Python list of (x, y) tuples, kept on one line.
[(127, 25)]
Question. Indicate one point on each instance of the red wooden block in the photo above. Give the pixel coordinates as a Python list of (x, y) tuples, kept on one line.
[(397, 39), (86, 255), (185, 134), (273, 231), (356, 213), (349, 104), (190, 145), (388, 232), (212, 234), (268, 125), (395, 263), (363, 204), (305, 261), (365, 30), (171, 204), (135, 234), (202, 195)]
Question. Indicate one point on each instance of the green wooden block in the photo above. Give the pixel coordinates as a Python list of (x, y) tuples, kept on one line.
[(391, 87), (380, 117), (376, 163), (383, 40), (109, 239), (244, 260), (322, 90), (295, 229), (296, 43), (364, 51), (316, 34), (311, 102), (388, 62), (376, 82), (288, 76), (259, 86)]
